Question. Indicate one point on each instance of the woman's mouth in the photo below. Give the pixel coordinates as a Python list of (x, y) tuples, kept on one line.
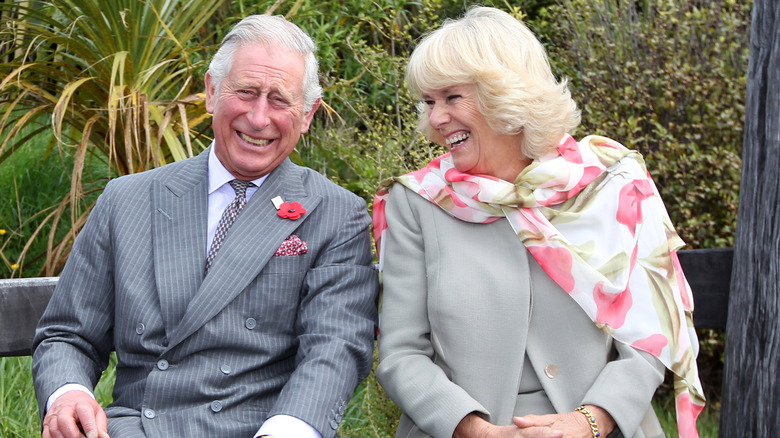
[(457, 140), (253, 141)]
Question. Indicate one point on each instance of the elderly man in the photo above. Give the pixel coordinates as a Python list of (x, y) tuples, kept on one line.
[(236, 288)]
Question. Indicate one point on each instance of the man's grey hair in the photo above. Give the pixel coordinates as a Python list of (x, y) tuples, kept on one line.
[(270, 30)]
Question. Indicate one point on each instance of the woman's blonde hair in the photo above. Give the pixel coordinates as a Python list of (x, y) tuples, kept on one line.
[(516, 89)]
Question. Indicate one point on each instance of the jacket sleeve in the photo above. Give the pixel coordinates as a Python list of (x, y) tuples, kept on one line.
[(74, 336), (407, 370), (625, 387), (336, 322)]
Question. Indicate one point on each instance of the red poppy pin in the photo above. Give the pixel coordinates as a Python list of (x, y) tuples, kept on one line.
[(289, 210)]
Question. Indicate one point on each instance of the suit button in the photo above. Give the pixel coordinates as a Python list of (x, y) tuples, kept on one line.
[(162, 364), (216, 406), (140, 328), (225, 369), (250, 323), (149, 413), (551, 370), (334, 424)]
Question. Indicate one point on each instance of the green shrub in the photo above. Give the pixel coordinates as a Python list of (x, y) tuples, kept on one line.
[(668, 78)]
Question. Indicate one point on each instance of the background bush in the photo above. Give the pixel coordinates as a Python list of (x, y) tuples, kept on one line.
[(665, 77)]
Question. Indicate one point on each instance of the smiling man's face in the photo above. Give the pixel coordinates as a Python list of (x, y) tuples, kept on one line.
[(258, 112)]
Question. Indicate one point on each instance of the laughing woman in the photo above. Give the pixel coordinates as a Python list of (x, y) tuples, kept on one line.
[(531, 283)]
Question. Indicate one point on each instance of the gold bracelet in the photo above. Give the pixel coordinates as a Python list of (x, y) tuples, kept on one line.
[(594, 428)]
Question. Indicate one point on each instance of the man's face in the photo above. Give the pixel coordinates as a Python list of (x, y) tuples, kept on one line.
[(258, 112)]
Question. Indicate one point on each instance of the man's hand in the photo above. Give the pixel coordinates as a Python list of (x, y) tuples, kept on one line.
[(74, 415)]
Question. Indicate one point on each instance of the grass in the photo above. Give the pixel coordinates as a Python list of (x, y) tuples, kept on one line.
[(369, 414), (32, 180)]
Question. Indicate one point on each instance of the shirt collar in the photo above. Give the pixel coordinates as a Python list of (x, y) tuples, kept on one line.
[(219, 176)]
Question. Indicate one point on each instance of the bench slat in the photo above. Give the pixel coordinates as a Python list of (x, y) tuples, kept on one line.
[(22, 302)]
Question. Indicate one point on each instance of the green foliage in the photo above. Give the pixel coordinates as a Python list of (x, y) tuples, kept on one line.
[(34, 180), (668, 78), (18, 410), (111, 79)]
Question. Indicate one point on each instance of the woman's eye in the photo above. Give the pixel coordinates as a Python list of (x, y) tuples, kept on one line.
[(453, 96), (428, 102)]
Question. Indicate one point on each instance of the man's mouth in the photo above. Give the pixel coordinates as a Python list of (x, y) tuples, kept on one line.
[(457, 140), (254, 141)]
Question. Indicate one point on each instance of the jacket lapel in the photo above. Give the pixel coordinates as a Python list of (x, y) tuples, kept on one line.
[(251, 242), (179, 222)]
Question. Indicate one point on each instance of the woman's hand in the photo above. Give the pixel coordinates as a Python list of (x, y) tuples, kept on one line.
[(474, 426), (571, 424)]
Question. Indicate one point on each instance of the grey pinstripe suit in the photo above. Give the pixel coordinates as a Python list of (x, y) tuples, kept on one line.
[(214, 356)]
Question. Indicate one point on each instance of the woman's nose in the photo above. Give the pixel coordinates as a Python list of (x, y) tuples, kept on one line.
[(438, 116)]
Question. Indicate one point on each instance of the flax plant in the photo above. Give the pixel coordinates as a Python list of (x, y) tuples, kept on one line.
[(112, 80)]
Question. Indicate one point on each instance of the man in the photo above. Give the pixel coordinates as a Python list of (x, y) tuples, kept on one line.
[(269, 335)]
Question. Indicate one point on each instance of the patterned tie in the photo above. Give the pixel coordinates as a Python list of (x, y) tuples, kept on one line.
[(227, 219)]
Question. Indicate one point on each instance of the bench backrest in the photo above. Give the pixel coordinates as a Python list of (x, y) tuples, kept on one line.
[(23, 300)]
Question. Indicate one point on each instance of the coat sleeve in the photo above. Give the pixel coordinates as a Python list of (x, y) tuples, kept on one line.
[(74, 336), (336, 322), (407, 370), (625, 387)]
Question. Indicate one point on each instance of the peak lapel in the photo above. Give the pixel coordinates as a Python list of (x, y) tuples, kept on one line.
[(180, 217), (250, 244)]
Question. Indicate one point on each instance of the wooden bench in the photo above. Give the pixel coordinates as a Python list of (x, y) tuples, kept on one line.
[(23, 300)]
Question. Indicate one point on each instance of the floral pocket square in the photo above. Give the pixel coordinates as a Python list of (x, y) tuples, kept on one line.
[(292, 246)]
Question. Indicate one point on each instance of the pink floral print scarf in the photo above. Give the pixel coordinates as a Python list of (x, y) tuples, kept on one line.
[(592, 217)]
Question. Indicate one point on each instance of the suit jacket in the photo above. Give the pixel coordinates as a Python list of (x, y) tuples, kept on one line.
[(214, 356), (466, 311)]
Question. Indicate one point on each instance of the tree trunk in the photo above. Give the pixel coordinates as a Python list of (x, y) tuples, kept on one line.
[(751, 394)]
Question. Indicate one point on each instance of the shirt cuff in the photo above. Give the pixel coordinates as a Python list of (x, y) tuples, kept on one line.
[(284, 426), (65, 388)]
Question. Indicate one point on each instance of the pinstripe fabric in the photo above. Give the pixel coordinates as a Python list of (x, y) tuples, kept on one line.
[(214, 356)]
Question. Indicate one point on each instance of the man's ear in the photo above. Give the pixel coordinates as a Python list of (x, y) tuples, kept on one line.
[(211, 94), (307, 118)]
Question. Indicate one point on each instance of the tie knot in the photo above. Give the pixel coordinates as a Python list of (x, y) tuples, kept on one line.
[(240, 186)]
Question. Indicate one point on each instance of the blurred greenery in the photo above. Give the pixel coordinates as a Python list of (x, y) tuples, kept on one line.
[(93, 89)]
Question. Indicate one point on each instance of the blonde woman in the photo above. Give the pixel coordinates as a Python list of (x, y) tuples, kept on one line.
[(531, 285)]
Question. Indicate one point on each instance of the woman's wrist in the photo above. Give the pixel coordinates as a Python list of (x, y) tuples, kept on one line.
[(599, 421)]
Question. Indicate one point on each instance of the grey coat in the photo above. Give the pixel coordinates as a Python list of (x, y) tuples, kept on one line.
[(466, 310), (215, 355)]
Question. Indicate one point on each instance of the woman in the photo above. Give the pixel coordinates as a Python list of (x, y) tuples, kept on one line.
[(531, 285)]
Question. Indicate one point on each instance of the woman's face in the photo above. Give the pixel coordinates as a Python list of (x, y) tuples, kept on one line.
[(457, 123)]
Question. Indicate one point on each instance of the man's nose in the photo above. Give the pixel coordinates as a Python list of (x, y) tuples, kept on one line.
[(258, 113)]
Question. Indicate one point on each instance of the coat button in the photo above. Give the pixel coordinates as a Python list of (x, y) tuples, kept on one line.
[(225, 369), (250, 323), (334, 424), (140, 328), (216, 406), (551, 370), (149, 413), (162, 364)]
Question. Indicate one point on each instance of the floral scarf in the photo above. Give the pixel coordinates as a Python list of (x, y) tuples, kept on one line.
[(592, 218)]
